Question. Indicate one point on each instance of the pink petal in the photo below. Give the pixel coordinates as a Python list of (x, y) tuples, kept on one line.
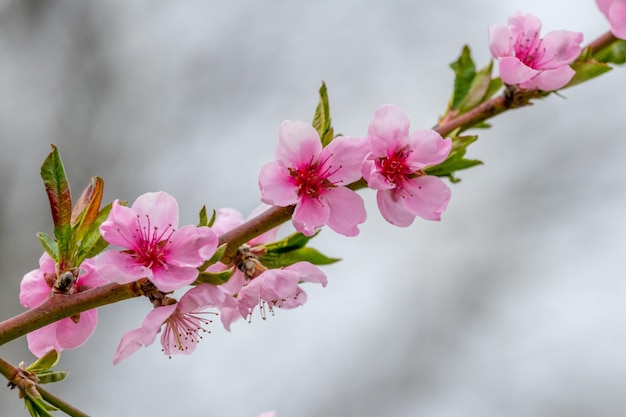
[(172, 277), (604, 6), (388, 131), (550, 80), (201, 297), (344, 158), (617, 18), (130, 343), (228, 315), (500, 41), (90, 276), (120, 267), (119, 228), (428, 197), (561, 47), (310, 215), (277, 187), (72, 335), (527, 25), (33, 289), (299, 144), (160, 207), (191, 246), (372, 175), (429, 148), (151, 325), (392, 208), (308, 272), (513, 71), (347, 211), (226, 219), (43, 340)]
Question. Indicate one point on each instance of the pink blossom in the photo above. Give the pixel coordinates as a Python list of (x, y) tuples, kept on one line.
[(66, 333), (183, 322), (278, 288), (395, 167), (615, 11), (155, 247), (314, 179), (530, 61)]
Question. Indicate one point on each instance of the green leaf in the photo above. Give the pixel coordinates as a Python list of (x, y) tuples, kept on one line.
[(586, 71), (291, 242), (37, 407), (58, 190), (615, 53), (215, 278), (456, 161), (87, 207), (46, 362), (219, 253), (49, 245), (279, 259), (478, 89), (204, 219), (50, 376), (321, 119), (465, 71), (93, 243)]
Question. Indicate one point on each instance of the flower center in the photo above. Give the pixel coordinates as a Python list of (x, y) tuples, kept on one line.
[(529, 49), (312, 179), (150, 245), (395, 168), (182, 331)]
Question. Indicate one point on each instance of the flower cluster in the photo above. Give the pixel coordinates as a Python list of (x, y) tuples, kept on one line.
[(390, 160)]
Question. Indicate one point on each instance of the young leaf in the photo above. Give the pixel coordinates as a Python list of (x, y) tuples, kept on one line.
[(215, 278), (49, 245), (58, 190), (456, 161), (45, 363), (50, 377), (92, 242), (321, 119), (87, 207), (586, 71), (291, 242), (478, 89), (204, 219), (465, 71), (615, 53), (219, 252), (280, 259)]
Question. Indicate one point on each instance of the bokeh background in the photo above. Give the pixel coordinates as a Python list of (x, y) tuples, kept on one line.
[(513, 305)]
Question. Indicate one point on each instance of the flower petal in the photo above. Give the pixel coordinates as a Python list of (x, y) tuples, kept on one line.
[(371, 173), (72, 335), (43, 340), (550, 80), (429, 148), (308, 272), (172, 277), (120, 267), (428, 197), (343, 157), (500, 41), (513, 71), (160, 207), (561, 47), (388, 131), (130, 343), (310, 215), (277, 187), (200, 297), (119, 229), (347, 211), (299, 144), (392, 208), (191, 246)]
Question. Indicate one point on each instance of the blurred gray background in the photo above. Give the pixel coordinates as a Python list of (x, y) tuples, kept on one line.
[(513, 305)]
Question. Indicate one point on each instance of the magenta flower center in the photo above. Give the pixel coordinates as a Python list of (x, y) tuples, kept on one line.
[(150, 245), (395, 167), (529, 49), (312, 179)]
